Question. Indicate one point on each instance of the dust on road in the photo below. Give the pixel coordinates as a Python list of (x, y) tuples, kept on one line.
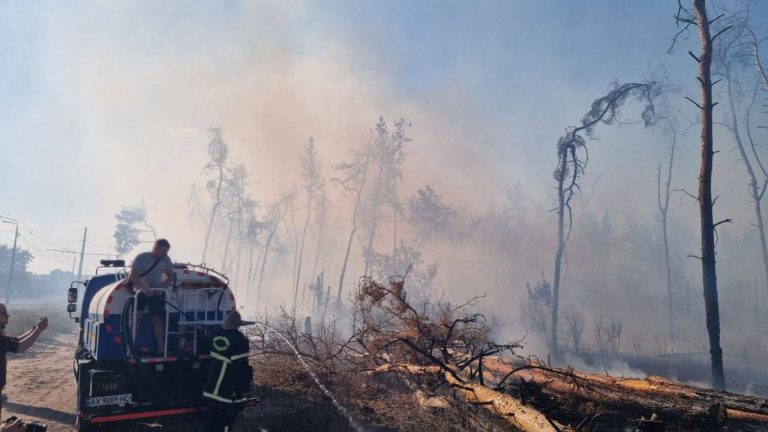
[(41, 387)]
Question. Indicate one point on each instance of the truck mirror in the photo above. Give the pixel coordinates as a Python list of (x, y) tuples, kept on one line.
[(72, 296), (71, 307)]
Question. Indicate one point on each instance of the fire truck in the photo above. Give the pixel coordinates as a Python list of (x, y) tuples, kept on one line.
[(120, 371)]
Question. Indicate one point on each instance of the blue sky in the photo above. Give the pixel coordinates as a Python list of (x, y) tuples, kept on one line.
[(103, 104)]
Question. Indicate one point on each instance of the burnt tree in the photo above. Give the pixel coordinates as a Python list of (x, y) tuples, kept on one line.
[(310, 173), (700, 19), (670, 128), (353, 182), (572, 160), (217, 152)]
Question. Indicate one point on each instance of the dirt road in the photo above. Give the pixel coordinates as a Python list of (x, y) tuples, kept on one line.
[(41, 388), (40, 383)]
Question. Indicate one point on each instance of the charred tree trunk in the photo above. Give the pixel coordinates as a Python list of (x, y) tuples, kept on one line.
[(295, 258), (755, 191), (264, 260), (561, 174), (271, 237), (664, 210), (320, 228), (346, 261), (238, 255), (224, 267), (570, 168), (301, 248), (708, 263), (215, 208), (249, 275), (374, 217), (358, 198)]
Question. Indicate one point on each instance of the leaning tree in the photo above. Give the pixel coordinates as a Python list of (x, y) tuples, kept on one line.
[(572, 157)]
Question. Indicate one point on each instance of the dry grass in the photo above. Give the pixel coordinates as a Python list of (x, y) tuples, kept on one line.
[(24, 318), (380, 402)]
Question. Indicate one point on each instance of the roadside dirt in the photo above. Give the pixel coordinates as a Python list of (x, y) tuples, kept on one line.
[(41, 388), (40, 383)]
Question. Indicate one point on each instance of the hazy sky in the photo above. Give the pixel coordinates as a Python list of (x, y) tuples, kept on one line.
[(103, 104)]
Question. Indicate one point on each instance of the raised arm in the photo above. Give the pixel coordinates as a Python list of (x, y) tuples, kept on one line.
[(28, 339), (27, 333)]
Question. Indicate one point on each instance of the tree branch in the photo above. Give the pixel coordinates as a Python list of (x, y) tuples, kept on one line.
[(716, 18), (720, 32), (693, 102), (722, 222), (698, 60), (686, 193)]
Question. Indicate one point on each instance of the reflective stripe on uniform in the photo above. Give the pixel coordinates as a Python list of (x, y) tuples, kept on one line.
[(221, 377), (217, 397), (218, 356)]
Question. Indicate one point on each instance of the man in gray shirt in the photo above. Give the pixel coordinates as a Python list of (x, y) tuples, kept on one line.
[(147, 272)]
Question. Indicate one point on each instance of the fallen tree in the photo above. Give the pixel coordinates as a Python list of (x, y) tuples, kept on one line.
[(411, 364)]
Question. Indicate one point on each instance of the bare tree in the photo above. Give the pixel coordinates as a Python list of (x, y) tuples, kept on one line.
[(322, 214), (252, 234), (217, 154), (388, 154), (244, 238), (276, 214), (572, 158), (731, 61), (238, 204), (352, 181), (671, 129), (699, 19), (292, 209), (310, 173), (574, 326), (607, 332)]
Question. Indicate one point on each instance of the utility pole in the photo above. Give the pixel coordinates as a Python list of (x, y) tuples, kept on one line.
[(82, 253), (13, 262)]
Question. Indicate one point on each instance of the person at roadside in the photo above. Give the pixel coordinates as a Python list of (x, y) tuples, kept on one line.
[(15, 344), (229, 376), (147, 272)]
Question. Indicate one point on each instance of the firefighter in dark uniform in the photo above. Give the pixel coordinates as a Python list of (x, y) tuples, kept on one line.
[(230, 375)]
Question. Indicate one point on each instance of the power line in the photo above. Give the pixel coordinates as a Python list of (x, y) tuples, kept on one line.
[(31, 230)]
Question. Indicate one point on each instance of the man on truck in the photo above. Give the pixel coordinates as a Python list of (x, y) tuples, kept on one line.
[(147, 272)]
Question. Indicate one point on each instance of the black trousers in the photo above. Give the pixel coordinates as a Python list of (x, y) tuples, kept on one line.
[(221, 417)]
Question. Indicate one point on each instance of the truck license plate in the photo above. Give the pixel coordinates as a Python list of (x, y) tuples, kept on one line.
[(109, 400)]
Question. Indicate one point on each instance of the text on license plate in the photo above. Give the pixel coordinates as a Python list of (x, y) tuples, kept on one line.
[(109, 400)]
